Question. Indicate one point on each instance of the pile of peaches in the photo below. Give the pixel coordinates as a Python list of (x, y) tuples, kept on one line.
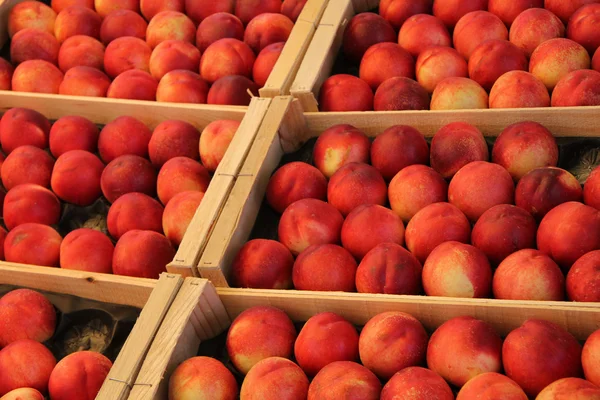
[(185, 51), (469, 54), (153, 182), (398, 216), (463, 355)]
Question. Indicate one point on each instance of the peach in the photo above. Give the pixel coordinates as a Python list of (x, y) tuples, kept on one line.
[(265, 62), (456, 145), (199, 10), (179, 213), (400, 93), (416, 383), (173, 55), (263, 264), (134, 85), (363, 31), (340, 145), (84, 81), (591, 189), (259, 333), (25, 364), (143, 254), (31, 14), (149, 8), (233, 90), (344, 379), (344, 92), (477, 350), (226, 57), (590, 356), (73, 132), (577, 88), (126, 174), (389, 268), (293, 182), (523, 147), (564, 9), (76, 177), (134, 211), (33, 44), (437, 63), (23, 394), (126, 53), (6, 73), (478, 186), (503, 230), (246, 10), (59, 5), (23, 126), (570, 388), (34, 244), (533, 27), (214, 142), (397, 148), (383, 61), (542, 189), (451, 11), (87, 250), (414, 188), (181, 174), (433, 225), (475, 28), (422, 31), (492, 59), (30, 203), (292, 8), (309, 222), (37, 76), (536, 343), (396, 12), (26, 314), (173, 138), (81, 50), (275, 378), (77, 20), (583, 279), (105, 7), (202, 376), (170, 25), (508, 11), (555, 58), (596, 61), (309, 271), (27, 164), (121, 23), (325, 338), (490, 386), (124, 135), (182, 86), (356, 184), (266, 29), (456, 93), (218, 26), (79, 374), (518, 89), (392, 341)]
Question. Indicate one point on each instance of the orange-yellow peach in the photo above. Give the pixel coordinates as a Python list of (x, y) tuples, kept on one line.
[(591, 189), (400, 93), (340, 145), (246, 10), (122, 23), (275, 378), (23, 394), (124, 135), (37, 76), (492, 59), (143, 254), (77, 20), (341, 379), (583, 278), (293, 182), (564, 9), (87, 250), (179, 213), (199, 10), (181, 86), (218, 26), (105, 7), (344, 92), (34, 244), (149, 8), (79, 374), (27, 164), (555, 58), (134, 211), (292, 8), (396, 12), (202, 376), (438, 63), (81, 50), (263, 264), (363, 31), (170, 25), (126, 53), (27, 314), (235, 90), (596, 61), (456, 93), (383, 61), (76, 177), (416, 383), (590, 357), (134, 85), (533, 27), (570, 388), (422, 31), (214, 142), (181, 174), (265, 62), (31, 14), (73, 132), (475, 28), (577, 88), (266, 29), (226, 57), (507, 11), (6, 73), (23, 126), (396, 148), (127, 174), (84, 81), (519, 89), (33, 44), (30, 203), (325, 267), (173, 138), (451, 11), (172, 55), (59, 5), (25, 364), (490, 386), (355, 184)]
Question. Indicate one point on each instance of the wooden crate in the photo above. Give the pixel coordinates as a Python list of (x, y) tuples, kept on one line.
[(154, 297), (199, 313)]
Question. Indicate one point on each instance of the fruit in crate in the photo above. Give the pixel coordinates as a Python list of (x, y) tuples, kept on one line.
[(309, 271), (339, 378), (475, 28), (25, 364), (27, 314), (518, 89), (78, 374)]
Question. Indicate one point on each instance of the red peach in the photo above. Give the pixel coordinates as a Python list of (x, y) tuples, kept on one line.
[(84, 81), (6, 73), (33, 44), (475, 28), (149, 8), (492, 59), (235, 90), (275, 378), (458, 93), (555, 58), (564, 9), (340, 145), (295, 181), (27, 164), (383, 61), (396, 12), (134, 211), (596, 61), (77, 20), (400, 93), (3, 234), (121, 23), (533, 27), (30, 203), (265, 62), (583, 279), (37, 76), (26, 314), (397, 148), (292, 8), (263, 264), (570, 388), (508, 11), (433, 225), (355, 184), (23, 394), (126, 53), (105, 7), (25, 364), (344, 379), (590, 357), (170, 25), (310, 273), (422, 31), (591, 189), (416, 383), (218, 26), (214, 142), (33, 244), (143, 254), (451, 11), (172, 55), (76, 177), (226, 57), (22, 126), (79, 374), (391, 269), (259, 333), (87, 250), (477, 350), (31, 14), (437, 63), (126, 174), (363, 31), (577, 88), (536, 343), (124, 135), (182, 86), (490, 386), (81, 51), (181, 174), (199, 10), (519, 89), (542, 189), (246, 10), (392, 341), (344, 92), (325, 338), (134, 85), (198, 376), (59, 5), (73, 132), (266, 29), (173, 138), (179, 213)]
